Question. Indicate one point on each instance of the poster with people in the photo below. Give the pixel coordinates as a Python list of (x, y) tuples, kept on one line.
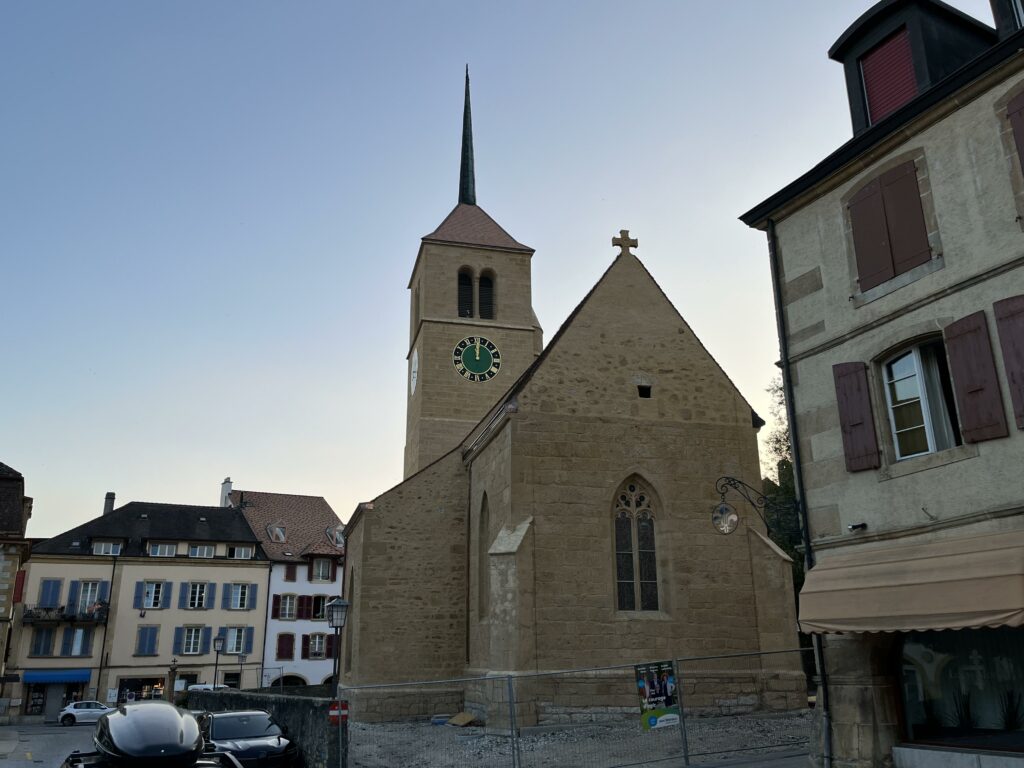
[(656, 686)]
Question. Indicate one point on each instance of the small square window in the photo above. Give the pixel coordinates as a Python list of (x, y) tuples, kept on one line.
[(643, 390)]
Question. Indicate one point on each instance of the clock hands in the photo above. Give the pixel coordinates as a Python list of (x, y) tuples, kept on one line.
[(477, 347)]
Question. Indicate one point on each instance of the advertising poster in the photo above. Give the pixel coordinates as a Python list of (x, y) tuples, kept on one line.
[(656, 686)]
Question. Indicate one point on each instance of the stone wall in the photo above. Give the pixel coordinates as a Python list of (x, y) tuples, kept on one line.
[(306, 719)]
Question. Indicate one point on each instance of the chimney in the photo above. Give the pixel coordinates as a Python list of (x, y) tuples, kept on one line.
[(225, 492), (1008, 15), (108, 503)]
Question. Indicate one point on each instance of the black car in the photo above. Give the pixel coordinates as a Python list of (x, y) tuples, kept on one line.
[(151, 734), (251, 736)]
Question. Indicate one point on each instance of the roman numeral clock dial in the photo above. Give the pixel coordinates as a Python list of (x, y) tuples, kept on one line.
[(476, 358)]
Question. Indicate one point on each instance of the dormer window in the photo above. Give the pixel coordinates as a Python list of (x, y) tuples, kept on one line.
[(240, 553), (336, 536), (162, 549), (887, 72), (276, 533), (201, 550), (106, 548)]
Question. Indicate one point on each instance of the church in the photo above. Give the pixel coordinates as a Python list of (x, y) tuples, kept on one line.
[(556, 506)]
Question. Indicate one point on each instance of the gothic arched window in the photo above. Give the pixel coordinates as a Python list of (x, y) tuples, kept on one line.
[(465, 293), (636, 570), (487, 296)]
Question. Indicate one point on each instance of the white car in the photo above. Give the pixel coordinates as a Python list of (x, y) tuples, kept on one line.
[(82, 712)]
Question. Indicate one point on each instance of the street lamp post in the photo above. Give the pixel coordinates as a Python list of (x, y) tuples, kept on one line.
[(172, 676), (218, 646), (337, 612)]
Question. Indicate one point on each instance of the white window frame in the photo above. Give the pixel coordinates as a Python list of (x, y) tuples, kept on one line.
[(106, 548), (162, 549), (197, 594), (88, 595), (78, 640), (323, 611), (240, 553), (322, 652), (1018, 12), (234, 640), (204, 551), (192, 641), (293, 602), (316, 562), (942, 409), (239, 597), (152, 598), (277, 533)]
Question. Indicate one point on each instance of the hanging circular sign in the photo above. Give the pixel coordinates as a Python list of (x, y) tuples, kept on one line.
[(725, 518)]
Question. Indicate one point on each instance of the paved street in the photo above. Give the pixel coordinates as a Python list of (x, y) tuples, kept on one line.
[(47, 745)]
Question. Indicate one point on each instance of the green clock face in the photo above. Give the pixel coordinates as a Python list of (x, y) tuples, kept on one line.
[(476, 358)]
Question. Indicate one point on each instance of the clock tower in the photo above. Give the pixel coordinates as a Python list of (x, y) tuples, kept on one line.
[(472, 328)]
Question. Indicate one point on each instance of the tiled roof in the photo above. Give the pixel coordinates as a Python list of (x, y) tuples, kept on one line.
[(6, 471), (306, 520), (139, 521), (470, 225)]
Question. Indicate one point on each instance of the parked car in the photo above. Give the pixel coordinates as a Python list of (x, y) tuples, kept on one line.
[(82, 712), (252, 736), (207, 687), (150, 734)]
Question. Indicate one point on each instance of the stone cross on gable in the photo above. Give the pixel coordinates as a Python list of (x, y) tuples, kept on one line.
[(624, 241)]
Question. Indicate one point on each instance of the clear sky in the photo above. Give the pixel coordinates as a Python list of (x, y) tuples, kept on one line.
[(209, 211)]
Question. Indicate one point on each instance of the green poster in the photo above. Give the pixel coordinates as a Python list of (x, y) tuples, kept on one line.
[(656, 686)]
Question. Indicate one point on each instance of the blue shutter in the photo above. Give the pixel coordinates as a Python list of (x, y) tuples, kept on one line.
[(140, 641), (211, 595), (153, 638), (73, 596), (66, 640), (249, 632), (253, 591), (225, 599), (165, 594), (104, 595), (49, 593), (137, 602), (179, 638), (87, 642), (204, 640), (183, 595)]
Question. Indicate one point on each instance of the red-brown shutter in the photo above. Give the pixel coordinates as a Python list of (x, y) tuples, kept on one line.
[(904, 217), (289, 572), (870, 236), (309, 570), (889, 79), (975, 385), (19, 586), (305, 607), (285, 647), (275, 609), (860, 443), (1015, 113), (305, 646), (334, 570), (1010, 322), (329, 648)]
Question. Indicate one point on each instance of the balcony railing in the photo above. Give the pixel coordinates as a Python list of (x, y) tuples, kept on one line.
[(40, 614)]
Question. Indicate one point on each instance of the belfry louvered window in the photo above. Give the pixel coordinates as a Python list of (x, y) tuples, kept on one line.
[(487, 297), (465, 294), (636, 570)]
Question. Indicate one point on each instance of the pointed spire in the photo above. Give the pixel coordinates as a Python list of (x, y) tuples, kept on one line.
[(467, 177)]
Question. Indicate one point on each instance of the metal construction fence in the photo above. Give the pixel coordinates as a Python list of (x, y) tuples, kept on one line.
[(726, 706)]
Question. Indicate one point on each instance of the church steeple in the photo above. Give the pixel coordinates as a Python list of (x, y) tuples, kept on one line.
[(467, 177)]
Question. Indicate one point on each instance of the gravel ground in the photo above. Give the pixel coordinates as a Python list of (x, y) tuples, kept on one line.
[(711, 740)]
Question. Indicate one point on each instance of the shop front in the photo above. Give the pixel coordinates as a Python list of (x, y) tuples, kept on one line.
[(140, 688), (47, 691)]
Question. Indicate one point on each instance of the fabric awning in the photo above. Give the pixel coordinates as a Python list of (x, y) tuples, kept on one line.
[(57, 675), (956, 583)]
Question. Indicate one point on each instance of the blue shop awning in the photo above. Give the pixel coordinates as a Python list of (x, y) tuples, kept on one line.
[(57, 675)]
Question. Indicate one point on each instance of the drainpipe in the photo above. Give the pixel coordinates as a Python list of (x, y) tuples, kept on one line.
[(798, 480), (106, 623)]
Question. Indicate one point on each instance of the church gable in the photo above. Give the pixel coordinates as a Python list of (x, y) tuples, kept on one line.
[(627, 352)]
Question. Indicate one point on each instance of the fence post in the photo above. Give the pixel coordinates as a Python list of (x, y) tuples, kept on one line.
[(514, 743), (681, 699)]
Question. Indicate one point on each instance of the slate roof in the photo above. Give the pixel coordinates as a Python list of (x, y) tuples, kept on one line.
[(305, 520), (139, 521), (470, 225), (6, 471)]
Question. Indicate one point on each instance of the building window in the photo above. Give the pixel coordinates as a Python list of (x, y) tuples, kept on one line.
[(287, 607), (321, 569), (49, 593), (276, 533), (146, 641), (77, 641), (635, 557), (152, 594), (289, 572), (486, 296), (919, 397), (201, 550), (106, 548), (240, 553), (191, 642), (317, 646), (235, 640), (88, 596), (42, 642), (336, 535), (163, 550), (465, 293), (889, 232), (319, 612), (285, 646), (239, 596), (197, 594)]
